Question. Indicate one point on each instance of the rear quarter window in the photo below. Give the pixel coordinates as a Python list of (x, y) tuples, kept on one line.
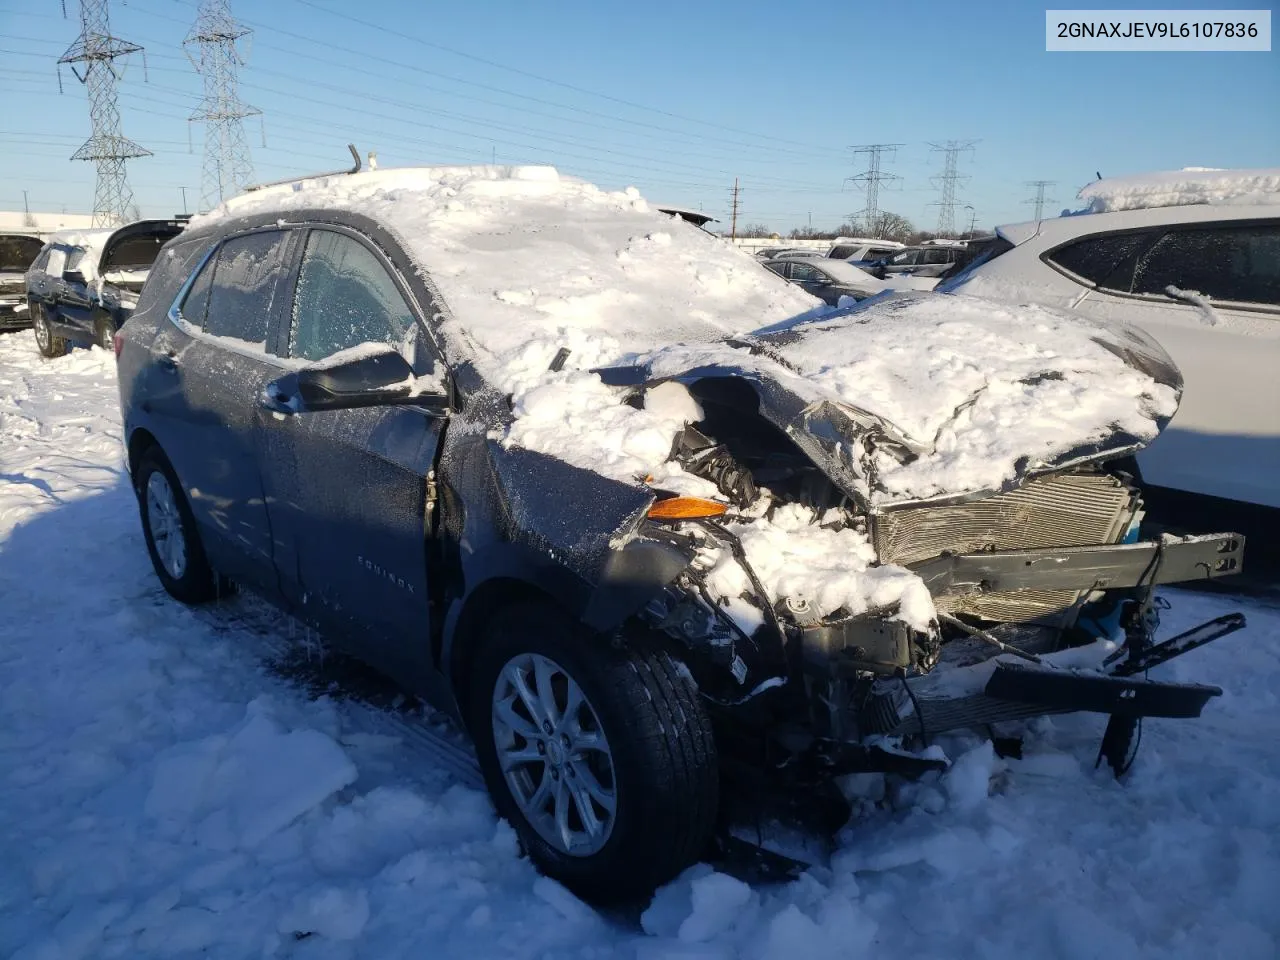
[(1237, 263), (1104, 261)]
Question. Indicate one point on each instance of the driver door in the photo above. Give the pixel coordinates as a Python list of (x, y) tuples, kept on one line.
[(347, 490)]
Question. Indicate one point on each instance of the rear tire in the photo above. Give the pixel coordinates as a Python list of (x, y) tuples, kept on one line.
[(650, 754), (169, 527), (47, 343)]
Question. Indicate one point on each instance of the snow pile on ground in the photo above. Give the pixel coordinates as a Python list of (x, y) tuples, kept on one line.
[(1180, 187), (166, 795)]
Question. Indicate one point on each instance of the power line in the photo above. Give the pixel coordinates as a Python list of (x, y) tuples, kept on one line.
[(96, 50), (871, 178), (948, 180), (1040, 199), (227, 167)]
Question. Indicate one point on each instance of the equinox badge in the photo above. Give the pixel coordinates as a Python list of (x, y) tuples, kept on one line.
[(385, 574)]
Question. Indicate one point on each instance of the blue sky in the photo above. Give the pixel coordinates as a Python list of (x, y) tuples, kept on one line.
[(674, 98)]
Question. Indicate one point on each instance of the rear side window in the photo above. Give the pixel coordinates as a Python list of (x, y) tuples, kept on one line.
[(245, 282), (805, 273), (1106, 261), (75, 259), (843, 253), (1240, 264), (345, 296), (56, 262), (937, 255), (196, 303)]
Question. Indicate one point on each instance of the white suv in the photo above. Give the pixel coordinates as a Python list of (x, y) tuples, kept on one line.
[(1203, 279)]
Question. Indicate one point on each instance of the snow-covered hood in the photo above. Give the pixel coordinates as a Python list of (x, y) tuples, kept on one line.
[(914, 397)]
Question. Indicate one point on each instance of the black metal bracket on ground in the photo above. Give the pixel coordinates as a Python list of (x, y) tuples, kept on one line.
[(1098, 693)]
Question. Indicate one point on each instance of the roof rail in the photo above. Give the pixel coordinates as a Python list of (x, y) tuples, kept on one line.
[(355, 155)]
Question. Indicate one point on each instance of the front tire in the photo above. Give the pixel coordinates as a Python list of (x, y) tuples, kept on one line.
[(47, 343), (104, 333), (596, 751), (169, 527)]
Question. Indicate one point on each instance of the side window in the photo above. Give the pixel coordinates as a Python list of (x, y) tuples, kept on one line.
[(245, 279), (196, 303), (1239, 264), (936, 255), (1104, 261), (41, 260), (779, 268), (75, 259), (57, 261), (805, 273), (345, 297)]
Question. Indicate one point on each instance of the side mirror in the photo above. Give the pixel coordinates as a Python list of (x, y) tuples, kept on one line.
[(359, 377), (73, 276)]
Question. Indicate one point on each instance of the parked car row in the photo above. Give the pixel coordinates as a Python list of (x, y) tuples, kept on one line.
[(77, 286)]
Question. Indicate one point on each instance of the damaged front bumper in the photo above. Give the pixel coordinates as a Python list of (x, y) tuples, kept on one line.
[(895, 697)]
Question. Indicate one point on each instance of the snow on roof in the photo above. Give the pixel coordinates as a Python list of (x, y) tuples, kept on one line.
[(1176, 188), (94, 239), (870, 241), (529, 261)]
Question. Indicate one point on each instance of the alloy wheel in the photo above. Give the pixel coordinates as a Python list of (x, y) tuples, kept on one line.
[(554, 754), (165, 524), (41, 329)]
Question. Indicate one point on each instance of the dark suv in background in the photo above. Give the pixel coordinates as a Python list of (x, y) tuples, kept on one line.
[(85, 283), (17, 251)]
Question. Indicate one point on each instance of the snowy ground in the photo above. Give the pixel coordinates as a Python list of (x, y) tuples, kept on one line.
[(165, 792)]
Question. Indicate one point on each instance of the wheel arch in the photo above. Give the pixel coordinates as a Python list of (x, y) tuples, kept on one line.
[(140, 441)]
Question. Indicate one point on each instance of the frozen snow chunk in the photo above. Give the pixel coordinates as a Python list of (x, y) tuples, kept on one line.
[(76, 935), (968, 781), (242, 788), (718, 900), (673, 401), (842, 930), (563, 902), (673, 903), (332, 913)]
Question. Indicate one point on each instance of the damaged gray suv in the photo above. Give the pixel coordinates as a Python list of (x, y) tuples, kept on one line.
[(644, 517)]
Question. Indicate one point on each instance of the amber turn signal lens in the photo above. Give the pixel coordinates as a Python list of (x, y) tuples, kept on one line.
[(685, 508)]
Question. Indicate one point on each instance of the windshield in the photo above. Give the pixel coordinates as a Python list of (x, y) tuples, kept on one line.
[(17, 253)]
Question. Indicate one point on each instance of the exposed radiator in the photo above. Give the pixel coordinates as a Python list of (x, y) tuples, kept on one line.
[(1061, 510)]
